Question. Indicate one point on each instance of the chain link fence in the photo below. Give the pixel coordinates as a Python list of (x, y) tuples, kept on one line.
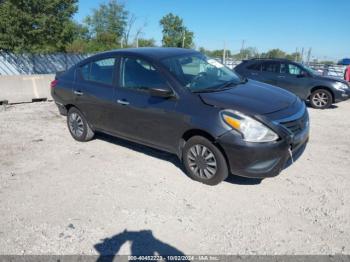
[(30, 64)]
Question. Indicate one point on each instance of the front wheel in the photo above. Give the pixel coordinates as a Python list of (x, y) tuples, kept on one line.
[(321, 99), (78, 126), (204, 162)]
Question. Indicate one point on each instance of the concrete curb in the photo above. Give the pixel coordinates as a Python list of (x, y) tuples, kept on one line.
[(25, 88)]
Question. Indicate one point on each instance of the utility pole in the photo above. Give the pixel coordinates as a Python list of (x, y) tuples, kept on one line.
[(121, 43), (302, 55), (242, 48), (309, 56), (137, 42), (224, 54)]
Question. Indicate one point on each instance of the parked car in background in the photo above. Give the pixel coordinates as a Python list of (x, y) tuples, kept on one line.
[(179, 101), (320, 90), (344, 61)]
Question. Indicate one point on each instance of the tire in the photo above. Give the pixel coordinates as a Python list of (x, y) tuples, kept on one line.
[(78, 127), (208, 167), (321, 99)]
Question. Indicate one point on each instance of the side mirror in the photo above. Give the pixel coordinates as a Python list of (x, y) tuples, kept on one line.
[(161, 92)]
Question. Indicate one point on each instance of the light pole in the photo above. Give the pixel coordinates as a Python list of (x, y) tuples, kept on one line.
[(183, 38), (224, 54)]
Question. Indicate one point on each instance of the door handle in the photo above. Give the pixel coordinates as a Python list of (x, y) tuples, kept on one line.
[(123, 102), (254, 74), (281, 77), (78, 93)]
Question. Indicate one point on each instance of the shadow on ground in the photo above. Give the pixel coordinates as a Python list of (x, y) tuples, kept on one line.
[(143, 243), (237, 180), (141, 149), (168, 157)]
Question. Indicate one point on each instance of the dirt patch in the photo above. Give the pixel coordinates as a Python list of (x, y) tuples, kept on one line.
[(58, 196)]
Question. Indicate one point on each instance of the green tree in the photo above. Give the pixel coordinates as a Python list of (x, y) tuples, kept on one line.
[(36, 25), (274, 53), (80, 41), (218, 53), (78, 46), (246, 53), (203, 51), (175, 33), (108, 19), (143, 42), (296, 56)]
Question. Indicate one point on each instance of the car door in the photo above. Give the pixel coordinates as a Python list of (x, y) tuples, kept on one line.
[(270, 72), (295, 79), (143, 117), (282, 76), (95, 91), (253, 71)]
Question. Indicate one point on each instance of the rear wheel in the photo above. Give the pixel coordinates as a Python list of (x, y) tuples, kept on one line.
[(204, 162), (78, 126), (321, 99)]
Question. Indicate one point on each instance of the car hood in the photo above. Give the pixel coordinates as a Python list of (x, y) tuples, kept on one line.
[(331, 78), (252, 97)]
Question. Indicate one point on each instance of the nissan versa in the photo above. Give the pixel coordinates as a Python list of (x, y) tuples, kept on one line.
[(179, 101)]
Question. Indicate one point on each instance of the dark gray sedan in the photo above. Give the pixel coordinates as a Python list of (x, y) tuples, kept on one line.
[(321, 91), (179, 101)]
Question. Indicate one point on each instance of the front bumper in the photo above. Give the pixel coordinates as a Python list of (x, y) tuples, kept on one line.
[(340, 96), (260, 160)]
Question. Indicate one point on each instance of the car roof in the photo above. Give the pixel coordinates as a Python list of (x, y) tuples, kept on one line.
[(269, 59), (344, 61), (151, 52)]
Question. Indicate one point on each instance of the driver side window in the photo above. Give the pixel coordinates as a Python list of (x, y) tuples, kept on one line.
[(294, 70)]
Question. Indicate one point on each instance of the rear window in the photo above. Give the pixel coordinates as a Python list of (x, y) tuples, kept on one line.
[(101, 71), (272, 67), (255, 67)]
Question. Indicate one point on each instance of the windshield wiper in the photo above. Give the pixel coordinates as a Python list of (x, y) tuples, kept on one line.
[(228, 84), (225, 86)]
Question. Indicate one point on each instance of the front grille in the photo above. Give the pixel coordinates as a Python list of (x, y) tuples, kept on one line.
[(298, 125)]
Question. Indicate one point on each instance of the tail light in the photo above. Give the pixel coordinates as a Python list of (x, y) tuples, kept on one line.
[(54, 83)]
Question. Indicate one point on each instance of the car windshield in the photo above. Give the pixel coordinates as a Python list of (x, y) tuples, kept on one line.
[(201, 74)]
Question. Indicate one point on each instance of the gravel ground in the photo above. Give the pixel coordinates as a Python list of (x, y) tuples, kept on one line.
[(59, 196)]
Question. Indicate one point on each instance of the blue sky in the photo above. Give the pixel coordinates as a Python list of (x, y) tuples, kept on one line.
[(323, 25)]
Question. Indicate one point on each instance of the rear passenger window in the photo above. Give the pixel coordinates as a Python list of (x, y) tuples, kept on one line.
[(101, 71), (283, 68), (85, 71), (271, 67), (255, 66)]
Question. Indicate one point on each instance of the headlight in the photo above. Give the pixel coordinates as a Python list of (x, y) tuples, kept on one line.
[(251, 129), (340, 86)]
